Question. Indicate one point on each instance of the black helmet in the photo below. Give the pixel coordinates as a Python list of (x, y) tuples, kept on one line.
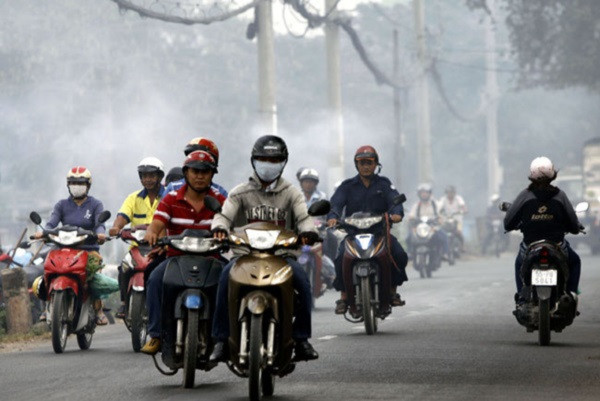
[(175, 174), (270, 146)]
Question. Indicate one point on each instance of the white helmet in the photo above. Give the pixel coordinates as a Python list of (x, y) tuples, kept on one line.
[(151, 165), (541, 167), (308, 174)]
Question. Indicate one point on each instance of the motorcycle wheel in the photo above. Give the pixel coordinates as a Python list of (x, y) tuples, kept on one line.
[(367, 307), (544, 322), (138, 317), (451, 255), (268, 383), (84, 340), (60, 330), (190, 352), (255, 359)]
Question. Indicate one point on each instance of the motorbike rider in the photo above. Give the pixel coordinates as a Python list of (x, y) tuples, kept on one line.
[(309, 179), (453, 205), (82, 210), (175, 174), (266, 197), (427, 207), (137, 209), (178, 210), (543, 212), (368, 192), (206, 145)]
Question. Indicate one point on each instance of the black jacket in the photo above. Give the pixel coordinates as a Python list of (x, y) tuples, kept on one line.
[(542, 214)]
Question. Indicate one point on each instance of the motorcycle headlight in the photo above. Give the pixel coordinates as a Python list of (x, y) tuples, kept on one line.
[(195, 244), (262, 239), (67, 237), (363, 222), (364, 241), (423, 230)]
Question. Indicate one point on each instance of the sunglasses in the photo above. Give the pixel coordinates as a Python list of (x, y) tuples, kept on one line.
[(366, 162)]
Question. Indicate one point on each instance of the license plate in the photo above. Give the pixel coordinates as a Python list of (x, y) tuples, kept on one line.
[(544, 277)]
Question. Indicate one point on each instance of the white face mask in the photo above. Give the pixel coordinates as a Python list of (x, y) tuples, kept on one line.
[(77, 191), (268, 172)]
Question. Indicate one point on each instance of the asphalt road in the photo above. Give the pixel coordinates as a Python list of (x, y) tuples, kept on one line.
[(454, 340)]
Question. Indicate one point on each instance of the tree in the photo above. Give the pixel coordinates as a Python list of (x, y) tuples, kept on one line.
[(556, 43)]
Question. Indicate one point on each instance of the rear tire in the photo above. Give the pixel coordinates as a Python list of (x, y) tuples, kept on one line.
[(255, 358), (544, 322), (190, 352), (137, 316), (84, 340), (60, 329), (367, 307)]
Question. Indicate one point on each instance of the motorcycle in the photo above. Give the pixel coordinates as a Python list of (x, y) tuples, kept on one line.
[(426, 256), (450, 227), (261, 303), (69, 304), (136, 261), (544, 273), (317, 266), (366, 267), (189, 292)]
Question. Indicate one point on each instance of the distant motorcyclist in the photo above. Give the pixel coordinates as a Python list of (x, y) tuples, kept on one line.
[(543, 212), (205, 145), (453, 205), (368, 192), (492, 213), (426, 206), (178, 211), (267, 197), (309, 180), (137, 209)]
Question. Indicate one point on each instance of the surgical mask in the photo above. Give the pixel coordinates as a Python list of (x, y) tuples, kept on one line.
[(77, 191), (268, 172)]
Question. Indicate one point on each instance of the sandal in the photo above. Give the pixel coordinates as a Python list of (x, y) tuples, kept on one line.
[(341, 307), (101, 320)]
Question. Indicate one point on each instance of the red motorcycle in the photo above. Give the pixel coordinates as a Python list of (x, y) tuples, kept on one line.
[(135, 263), (69, 306)]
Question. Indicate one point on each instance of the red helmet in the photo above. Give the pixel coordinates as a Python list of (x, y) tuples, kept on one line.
[(201, 160), (79, 174), (366, 152), (205, 144)]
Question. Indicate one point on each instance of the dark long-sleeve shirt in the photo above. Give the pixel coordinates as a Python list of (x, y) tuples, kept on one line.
[(354, 196), (67, 212), (542, 214)]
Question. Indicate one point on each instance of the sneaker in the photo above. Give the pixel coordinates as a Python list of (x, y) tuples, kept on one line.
[(340, 307), (304, 351), (218, 354), (151, 347)]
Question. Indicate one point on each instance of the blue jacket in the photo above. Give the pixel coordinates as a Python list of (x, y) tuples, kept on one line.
[(355, 197), (175, 185)]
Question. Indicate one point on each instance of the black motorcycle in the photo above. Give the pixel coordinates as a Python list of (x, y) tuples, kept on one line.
[(426, 255)]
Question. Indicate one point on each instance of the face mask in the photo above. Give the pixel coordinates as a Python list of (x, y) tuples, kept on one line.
[(268, 172), (77, 191)]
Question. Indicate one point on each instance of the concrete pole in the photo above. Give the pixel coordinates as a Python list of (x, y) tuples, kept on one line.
[(398, 135), (334, 94), (425, 168), (266, 69), (16, 299), (493, 171)]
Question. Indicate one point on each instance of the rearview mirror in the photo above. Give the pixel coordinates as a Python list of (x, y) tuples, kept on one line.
[(212, 204), (399, 199), (24, 245), (582, 207), (319, 208), (35, 217), (105, 215), (504, 206)]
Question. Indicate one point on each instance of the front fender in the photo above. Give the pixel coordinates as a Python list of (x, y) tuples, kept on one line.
[(62, 283), (543, 292), (136, 281)]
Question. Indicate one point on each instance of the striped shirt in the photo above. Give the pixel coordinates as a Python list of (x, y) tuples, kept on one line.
[(178, 214)]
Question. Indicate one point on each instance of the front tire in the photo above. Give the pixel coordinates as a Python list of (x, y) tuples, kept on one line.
[(60, 329), (544, 322), (137, 316), (190, 353), (255, 360), (367, 307)]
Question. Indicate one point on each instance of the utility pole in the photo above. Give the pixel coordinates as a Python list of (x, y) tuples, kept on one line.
[(494, 171), (266, 68), (334, 94), (425, 168), (398, 135)]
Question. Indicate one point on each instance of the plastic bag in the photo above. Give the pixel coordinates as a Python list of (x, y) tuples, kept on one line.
[(102, 286)]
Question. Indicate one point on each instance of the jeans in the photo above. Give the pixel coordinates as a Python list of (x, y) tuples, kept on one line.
[(301, 329), (398, 254), (574, 267), (154, 289)]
